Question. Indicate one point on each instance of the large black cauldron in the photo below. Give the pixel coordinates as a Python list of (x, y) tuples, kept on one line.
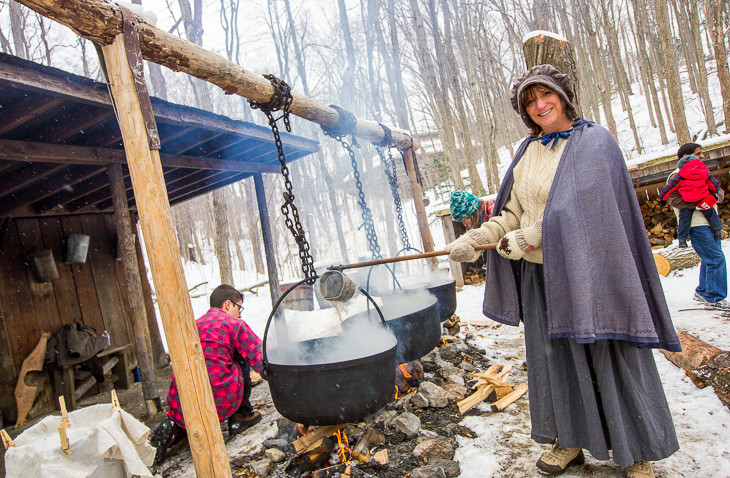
[(445, 292), (314, 392), (417, 331)]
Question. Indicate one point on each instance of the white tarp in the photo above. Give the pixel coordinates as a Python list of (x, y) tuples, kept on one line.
[(104, 443)]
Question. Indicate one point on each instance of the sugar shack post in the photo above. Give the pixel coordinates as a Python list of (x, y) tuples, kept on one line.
[(201, 420)]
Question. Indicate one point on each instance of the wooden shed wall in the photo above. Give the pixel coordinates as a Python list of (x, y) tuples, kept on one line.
[(93, 293)]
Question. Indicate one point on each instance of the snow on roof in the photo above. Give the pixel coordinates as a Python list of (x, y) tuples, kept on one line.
[(671, 152), (546, 33)]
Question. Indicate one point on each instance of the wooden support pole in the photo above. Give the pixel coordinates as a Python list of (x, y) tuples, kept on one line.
[(135, 296), (270, 254), (188, 363), (408, 155), (100, 22)]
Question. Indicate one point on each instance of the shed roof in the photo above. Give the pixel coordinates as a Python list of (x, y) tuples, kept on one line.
[(58, 133)]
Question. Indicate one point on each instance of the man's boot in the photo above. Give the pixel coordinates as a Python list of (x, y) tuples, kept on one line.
[(640, 469), (559, 458)]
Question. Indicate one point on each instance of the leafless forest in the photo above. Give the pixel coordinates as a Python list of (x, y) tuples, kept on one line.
[(441, 69)]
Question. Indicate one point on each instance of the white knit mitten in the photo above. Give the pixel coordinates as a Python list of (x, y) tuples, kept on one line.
[(462, 249), (515, 244)]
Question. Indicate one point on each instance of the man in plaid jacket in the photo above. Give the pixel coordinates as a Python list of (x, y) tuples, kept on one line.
[(230, 348)]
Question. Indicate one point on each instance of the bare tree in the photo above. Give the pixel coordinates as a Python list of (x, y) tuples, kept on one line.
[(715, 26)]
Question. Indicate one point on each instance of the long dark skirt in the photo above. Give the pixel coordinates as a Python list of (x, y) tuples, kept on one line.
[(601, 396)]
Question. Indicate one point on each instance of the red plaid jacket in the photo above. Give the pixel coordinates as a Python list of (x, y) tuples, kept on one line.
[(221, 336)]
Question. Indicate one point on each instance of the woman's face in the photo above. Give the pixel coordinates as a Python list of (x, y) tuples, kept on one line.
[(547, 110)]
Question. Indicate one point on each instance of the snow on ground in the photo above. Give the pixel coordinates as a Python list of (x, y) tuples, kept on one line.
[(503, 447)]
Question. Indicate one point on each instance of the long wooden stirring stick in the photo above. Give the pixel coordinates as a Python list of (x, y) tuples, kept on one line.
[(410, 257)]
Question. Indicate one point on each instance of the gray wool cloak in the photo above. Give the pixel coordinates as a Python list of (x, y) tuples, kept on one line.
[(601, 280)]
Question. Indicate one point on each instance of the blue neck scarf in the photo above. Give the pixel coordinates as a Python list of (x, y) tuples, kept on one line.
[(554, 137)]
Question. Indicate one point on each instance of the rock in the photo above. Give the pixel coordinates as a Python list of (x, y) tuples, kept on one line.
[(427, 434), (451, 468), (457, 379), (419, 401), (467, 367), (462, 348), (408, 424), (430, 367), (429, 357), (279, 443), (262, 467), (404, 403), (435, 448), (449, 369), (455, 392), (428, 471), (385, 419), (449, 351), (287, 429), (435, 395), (275, 455)]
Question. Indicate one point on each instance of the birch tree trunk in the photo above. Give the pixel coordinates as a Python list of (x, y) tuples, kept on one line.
[(17, 24), (671, 70), (704, 90), (715, 26)]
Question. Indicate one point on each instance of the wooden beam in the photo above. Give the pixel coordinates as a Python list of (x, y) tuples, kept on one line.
[(135, 299), (207, 185), (100, 22), (27, 172), (421, 216), (71, 154), (78, 122), (188, 362)]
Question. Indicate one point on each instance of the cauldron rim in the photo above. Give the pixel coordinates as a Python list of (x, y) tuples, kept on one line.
[(338, 365)]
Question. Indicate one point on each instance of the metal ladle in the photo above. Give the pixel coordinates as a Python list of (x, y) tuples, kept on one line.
[(336, 286)]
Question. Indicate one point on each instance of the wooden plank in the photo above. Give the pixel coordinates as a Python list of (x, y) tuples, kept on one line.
[(89, 382), (43, 295), (64, 288), (7, 367), (83, 281), (27, 172), (92, 155), (101, 261), (19, 313), (191, 375)]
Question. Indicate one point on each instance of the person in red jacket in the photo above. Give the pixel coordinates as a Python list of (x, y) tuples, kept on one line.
[(698, 190)]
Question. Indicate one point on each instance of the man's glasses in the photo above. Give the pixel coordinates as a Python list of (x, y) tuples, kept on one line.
[(240, 306)]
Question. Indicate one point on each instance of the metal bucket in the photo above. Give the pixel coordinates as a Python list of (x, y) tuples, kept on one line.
[(334, 285), (77, 247), (44, 266)]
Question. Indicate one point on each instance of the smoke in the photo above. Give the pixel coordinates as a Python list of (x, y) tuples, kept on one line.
[(362, 340)]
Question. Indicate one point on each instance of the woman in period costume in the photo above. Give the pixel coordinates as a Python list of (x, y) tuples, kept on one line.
[(584, 284)]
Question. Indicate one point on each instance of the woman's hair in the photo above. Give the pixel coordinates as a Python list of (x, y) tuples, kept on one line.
[(222, 293), (531, 92)]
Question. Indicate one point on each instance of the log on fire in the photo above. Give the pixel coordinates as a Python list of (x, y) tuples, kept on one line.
[(370, 439)]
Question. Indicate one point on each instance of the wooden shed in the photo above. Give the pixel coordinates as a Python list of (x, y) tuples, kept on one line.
[(58, 137)]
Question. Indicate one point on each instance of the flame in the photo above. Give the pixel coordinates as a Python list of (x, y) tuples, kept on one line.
[(443, 342), (397, 393), (343, 443), (302, 430), (402, 368)]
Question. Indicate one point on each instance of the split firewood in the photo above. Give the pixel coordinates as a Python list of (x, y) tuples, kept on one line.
[(370, 439), (312, 439), (7, 442), (381, 457), (500, 405), (475, 398)]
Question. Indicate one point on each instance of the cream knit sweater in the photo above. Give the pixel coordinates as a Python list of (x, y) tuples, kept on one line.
[(533, 177)]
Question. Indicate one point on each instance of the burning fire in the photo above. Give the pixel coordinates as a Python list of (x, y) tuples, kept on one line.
[(344, 446), (397, 393), (402, 368), (302, 430)]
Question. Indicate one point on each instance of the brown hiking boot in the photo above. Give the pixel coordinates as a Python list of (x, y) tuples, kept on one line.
[(640, 469), (559, 458)]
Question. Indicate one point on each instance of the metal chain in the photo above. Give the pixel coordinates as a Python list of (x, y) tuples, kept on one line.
[(347, 126), (390, 172), (281, 100)]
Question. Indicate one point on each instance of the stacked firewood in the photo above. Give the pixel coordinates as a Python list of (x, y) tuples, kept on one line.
[(661, 223)]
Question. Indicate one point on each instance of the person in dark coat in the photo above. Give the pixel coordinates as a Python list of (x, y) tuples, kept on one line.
[(699, 190), (588, 292)]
